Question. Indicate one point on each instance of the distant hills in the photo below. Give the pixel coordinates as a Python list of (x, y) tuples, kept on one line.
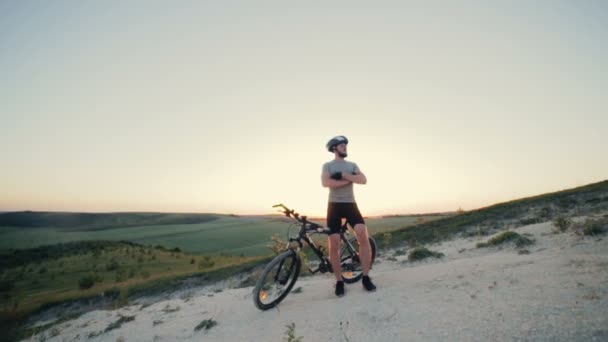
[(97, 221)]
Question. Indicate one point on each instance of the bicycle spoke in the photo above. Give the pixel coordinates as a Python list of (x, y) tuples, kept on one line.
[(277, 281)]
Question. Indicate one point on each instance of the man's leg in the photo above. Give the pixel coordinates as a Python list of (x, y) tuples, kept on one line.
[(365, 250), (334, 255), (365, 254)]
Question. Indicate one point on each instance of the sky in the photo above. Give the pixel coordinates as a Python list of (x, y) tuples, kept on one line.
[(226, 106)]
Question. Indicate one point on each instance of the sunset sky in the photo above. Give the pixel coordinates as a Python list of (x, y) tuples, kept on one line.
[(226, 106)]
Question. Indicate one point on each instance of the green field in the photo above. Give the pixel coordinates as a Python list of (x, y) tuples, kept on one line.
[(227, 235)]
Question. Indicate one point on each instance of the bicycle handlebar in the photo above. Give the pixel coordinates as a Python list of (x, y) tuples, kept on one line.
[(301, 219)]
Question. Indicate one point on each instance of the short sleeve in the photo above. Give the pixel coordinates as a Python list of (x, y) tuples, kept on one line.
[(356, 169), (325, 168)]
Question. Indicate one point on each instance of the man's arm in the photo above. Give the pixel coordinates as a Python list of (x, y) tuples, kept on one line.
[(328, 182), (359, 178)]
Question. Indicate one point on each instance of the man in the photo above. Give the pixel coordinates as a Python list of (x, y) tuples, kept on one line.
[(339, 176)]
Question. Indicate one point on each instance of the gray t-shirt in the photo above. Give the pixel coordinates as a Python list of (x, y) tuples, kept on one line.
[(343, 194)]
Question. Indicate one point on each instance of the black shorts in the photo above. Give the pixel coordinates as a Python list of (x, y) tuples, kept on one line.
[(336, 211)]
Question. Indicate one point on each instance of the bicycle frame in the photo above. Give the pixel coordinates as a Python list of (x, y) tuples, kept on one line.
[(307, 227)]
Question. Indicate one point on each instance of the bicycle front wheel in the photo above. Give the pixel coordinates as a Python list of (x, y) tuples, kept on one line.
[(352, 270), (276, 280)]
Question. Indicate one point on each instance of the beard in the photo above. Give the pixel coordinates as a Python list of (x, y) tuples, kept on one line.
[(342, 154)]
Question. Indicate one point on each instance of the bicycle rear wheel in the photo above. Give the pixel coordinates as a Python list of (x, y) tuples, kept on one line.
[(352, 270), (276, 280)]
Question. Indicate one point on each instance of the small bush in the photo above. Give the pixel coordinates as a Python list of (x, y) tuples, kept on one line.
[(123, 298), (119, 322), (54, 332), (420, 253), (505, 237), (206, 324), (186, 296), (399, 252), (120, 276), (567, 202), (112, 265), (386, 238), (86, 282), (277, 245), (595, 227), (477, 232), (545, 213), (291, 333), (205, 262), (562, 223)]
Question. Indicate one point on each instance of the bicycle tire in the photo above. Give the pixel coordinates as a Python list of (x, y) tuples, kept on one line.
[(352, 271), (277, 279)]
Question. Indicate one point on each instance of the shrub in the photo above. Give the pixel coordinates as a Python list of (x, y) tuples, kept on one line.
[(506, 237), (291, 333), (87, 281), (399, 252), (277, 245), (112, 265), (567, 202), (386, 238), (120, 276), (562, 223), (206, 324), (119, 322), (545, 213), (205, 262), (420, 253), (595, 227)]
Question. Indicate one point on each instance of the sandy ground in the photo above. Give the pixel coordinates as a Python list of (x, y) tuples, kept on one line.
[(558, 292)]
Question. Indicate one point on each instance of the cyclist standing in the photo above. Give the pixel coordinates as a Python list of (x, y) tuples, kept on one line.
[(339, 175)]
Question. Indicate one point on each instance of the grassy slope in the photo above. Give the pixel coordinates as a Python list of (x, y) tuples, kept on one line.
[(517, 212), (46, 275)]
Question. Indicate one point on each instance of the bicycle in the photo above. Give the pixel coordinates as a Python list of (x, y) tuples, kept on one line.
[(280, 275)]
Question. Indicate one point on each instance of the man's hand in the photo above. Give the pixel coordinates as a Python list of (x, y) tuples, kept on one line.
[(336, 176), (357, 178)]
